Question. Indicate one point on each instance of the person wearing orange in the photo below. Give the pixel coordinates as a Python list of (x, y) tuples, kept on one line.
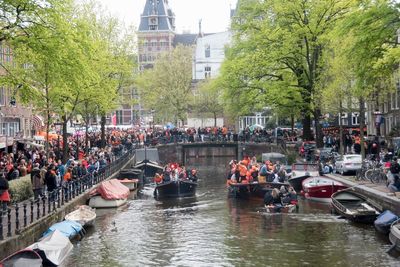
[(158, 178), (242, 171), (68, 175)]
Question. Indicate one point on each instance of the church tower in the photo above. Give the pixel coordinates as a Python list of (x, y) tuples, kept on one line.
[(156, 32)]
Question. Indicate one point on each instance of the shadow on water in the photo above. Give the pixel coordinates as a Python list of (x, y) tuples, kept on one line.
[(214, 230)]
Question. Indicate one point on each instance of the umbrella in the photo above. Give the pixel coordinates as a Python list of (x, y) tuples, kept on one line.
[(169, 126), (255, 126)]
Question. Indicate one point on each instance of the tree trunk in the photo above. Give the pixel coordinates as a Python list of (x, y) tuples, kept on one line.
[(87, 134), (47, 141), (318, 128), (341, 144), (307, 136), (362, 126), (65, 141), (292, 122), (103, 131), (215, 119)]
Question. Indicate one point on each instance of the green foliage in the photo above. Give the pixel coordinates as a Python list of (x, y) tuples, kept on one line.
[(208, 100), (21, 189), (166, 88), (291, 157)]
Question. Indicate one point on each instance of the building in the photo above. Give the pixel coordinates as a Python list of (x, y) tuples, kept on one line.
[(16, 121)]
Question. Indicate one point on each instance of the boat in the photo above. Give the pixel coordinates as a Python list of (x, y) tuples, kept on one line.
[(147, 160), (109, 194), (84, 215), (394, 235), (354, 206), (384, 221), (321, 188), (175, 189), (304, 169), (296, 182), (132, 173), (289, 208), (68, 228), (23, 258), (253, 189), (132, 184), (53, 248)]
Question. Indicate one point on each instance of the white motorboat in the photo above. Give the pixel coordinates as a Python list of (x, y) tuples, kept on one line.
[(84, 215), (100, 202), (109, 194)]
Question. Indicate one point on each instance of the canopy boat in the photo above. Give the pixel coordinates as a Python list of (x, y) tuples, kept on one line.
[(53, 248), (84, 215), (355, 206), (132, 184), (69, 229), (175, 189), (109, 194), (394, 235), (321, 188), (150, 168), (384, 221), (289, 208), (304, 169), (253, 189), (23, 258), (296, 182), (132, 173)]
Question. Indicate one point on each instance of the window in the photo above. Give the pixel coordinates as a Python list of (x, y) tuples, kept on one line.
[(207, 72), (153, 27), (355, 118), (207, 51), (2, 96)]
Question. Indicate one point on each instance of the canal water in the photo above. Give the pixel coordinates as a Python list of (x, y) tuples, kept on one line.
[(214, 230)]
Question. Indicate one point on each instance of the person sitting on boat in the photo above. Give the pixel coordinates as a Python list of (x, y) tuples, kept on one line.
[(263, 173), (273, 198), (242, 171), (293, 196), (254, 172), (158, 179), (167, 175), (282, 174), (193, 175)]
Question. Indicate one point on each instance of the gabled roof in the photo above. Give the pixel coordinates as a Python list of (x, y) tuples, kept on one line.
[(161, 10), (185, 39)]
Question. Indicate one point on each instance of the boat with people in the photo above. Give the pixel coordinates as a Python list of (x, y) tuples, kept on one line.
[(175, 182), (281, 200), (84, 215), (109, 194), (394, 235), (355, 207), (147, 160), (53, 249), (252, 189), (321, 188)]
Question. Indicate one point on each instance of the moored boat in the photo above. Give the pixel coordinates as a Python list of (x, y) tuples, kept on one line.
[(175, 189), (109, 194), (384, 221), (149, 168), (304, 169), (296, 182), (132, 184), (53, 248), (84, 215), (68, 228), (23, 258), (394, 235), (321, 188), (355, 206)]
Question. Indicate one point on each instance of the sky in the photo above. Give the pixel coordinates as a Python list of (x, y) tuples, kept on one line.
[(214, 13)]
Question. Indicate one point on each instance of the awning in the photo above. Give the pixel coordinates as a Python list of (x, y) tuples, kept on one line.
[(37, 122)]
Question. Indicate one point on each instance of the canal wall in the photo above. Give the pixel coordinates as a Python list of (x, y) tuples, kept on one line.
[(33, 232)]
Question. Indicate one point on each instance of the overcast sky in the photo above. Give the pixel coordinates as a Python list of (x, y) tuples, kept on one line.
[(214, 13)]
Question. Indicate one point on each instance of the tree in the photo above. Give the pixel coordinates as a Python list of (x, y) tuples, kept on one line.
[(166, 88), (208, 100), (277, 52)]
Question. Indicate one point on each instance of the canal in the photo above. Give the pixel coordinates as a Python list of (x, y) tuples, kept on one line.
[(214, 230)]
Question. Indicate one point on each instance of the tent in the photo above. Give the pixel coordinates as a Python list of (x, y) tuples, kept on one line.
[(256, 126)]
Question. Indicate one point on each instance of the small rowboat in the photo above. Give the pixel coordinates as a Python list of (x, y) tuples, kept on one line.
[(132, 184), (84, 215), (290, 208), (25, 257), (100, 202), (394, 235)]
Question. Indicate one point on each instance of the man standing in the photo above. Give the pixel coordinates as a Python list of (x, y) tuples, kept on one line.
[(37, 181), (51, 180)]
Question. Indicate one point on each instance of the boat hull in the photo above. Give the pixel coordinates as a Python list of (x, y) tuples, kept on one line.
[(131, 184), (296, 182), (394, 235), (83, 215), (99, 202), (175, 189)]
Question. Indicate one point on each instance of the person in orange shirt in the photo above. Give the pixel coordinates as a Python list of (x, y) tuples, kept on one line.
[(242, 171), (68, 175)]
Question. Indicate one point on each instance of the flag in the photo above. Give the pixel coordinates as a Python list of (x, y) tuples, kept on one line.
[(114, 119)]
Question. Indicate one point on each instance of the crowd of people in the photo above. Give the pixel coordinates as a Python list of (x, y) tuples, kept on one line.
[(175, 172)]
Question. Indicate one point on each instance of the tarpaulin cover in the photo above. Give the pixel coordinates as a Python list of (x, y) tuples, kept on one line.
[(22, 258), (111, 189), (67, 228), (55, 247), (385, 219)]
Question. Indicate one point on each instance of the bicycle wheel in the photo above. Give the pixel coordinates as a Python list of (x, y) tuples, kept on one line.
[(372, 175)]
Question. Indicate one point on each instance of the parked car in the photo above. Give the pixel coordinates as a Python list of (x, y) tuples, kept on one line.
[(348, 163), (307, 145)]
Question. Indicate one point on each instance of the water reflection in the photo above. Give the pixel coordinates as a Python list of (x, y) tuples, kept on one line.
[(214, 230)]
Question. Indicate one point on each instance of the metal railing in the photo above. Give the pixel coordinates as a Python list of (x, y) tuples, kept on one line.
[(21, 215)]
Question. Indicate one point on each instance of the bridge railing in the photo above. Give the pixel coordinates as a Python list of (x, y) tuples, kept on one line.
[(19, 216)]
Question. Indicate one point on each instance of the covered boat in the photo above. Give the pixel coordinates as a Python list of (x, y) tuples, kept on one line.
[(147, 160), (53, 248), (175, 189), (304, 169), (384, 220), (394, 235), (321, 188), (296, 182), (23, 258), (109, 194), (289, 208), (84, 215), (355, 206), (132, 184), (253, 189), (68, 228)]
